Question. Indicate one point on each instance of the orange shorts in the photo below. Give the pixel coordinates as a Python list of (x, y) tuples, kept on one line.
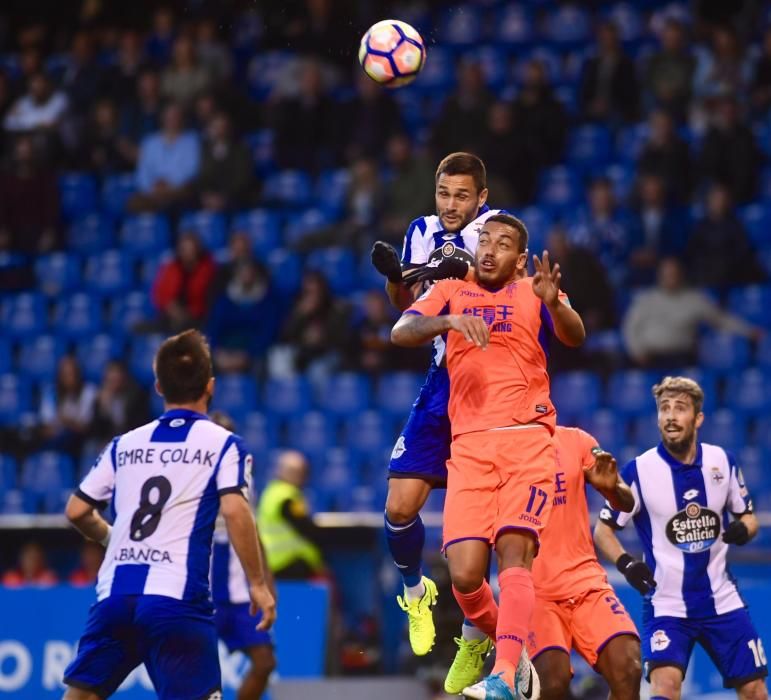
[(498, 480), (586, 624)]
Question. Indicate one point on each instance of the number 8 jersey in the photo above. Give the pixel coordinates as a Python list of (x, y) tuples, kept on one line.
[(164, 481)]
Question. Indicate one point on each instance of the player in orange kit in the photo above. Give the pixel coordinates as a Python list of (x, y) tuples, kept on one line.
[(575, 605), (501, 467)]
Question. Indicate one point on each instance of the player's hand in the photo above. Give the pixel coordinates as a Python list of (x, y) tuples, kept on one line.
[(636, 572), (446, 268), (736, 533), (603, 474), (546, 280), (262, 599), (386, 261), (474, 329)]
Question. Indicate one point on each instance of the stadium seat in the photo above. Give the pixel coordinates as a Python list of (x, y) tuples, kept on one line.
[(460, 26), (6, 355), (38, 357), (78, 316), (645, 430), (312, 432), (91, 234), (266, 70), (337, 473), (263, 227), (749, 392), (77, 195), (287, 396), (110, 273), (631, 140), (589, 146), (723, 352), (210, 227), (141, 355), (514, 25), (397, 392), (96, 351), (368, 277), (539, 222), (57, 273), (15, 398), (344, 394), (763, 433), (331, 190), (291, 188), (707, 379), (559, 187), (763, 352), (626, 17), (305, 222), (261, 146), (23, 315), (724, 428), (551, 60), (338, 266), (116, 191), (757, 220), (575, 393), (128, 310), (753, 461), (363, 499), (49, 477), (608, 428), (285, 270), (8, 472), (369, 433), (14, 502), (752, 303), (568, 25), (260, 433), (494, 62), (235, 394), (622, 178), (146, 234), (630, 392), (438, 75)]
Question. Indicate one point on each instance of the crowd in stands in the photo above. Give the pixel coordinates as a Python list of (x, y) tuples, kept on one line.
[(229, 169)]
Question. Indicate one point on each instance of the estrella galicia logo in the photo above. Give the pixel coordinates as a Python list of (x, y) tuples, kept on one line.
[(694, 528)]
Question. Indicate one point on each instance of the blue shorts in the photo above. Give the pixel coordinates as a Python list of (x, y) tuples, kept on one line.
[(730, 640), (176, 640), (236, 627)]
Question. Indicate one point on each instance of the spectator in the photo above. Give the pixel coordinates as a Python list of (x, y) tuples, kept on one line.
[(213, 54), (372, 116), (239, 251), (84, 77), (104, 150), (244, 321), (185, 78), (609, 90), (291, 539), (32, 570), (729, 154), (67, 408), (226, 178), (661, 327), (182, 287), (168, 163), (666, 155), (91, 557), (539, 115), (159, 44), (308, 128), (317, 327), (30, 64), (458, 125), (142, 115), (761, 78), (722, 69), (669, 72), (29, 204), (120, 404), (41, 109), (719, 252), (122, 77)]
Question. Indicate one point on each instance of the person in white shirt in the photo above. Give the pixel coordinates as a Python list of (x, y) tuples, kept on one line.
[(166, 481), (42, 107)]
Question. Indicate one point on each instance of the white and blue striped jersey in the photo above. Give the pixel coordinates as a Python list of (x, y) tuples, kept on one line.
[(228, 580), (164, 481), (679, 514)]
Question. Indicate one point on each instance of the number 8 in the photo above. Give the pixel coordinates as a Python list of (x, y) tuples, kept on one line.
[(147, 517)]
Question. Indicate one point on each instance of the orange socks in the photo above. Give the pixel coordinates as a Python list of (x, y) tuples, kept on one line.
[(517, 603), (480, 608)]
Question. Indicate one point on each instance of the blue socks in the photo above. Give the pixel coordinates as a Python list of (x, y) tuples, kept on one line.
[(405, 542)]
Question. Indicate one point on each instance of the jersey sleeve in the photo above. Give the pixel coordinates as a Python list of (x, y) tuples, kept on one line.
[(617, 519), (739, 500), (99, 484), (415, 250), (435, 301), (235, 469)]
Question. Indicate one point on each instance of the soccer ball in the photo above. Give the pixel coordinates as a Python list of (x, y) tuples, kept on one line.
[(392, 53)]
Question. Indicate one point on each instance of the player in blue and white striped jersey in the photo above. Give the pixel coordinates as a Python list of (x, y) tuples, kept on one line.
[(166, 481), (691, 503)]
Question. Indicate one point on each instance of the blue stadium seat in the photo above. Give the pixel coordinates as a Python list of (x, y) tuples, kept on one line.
[(49, 476), (91, 234), (368, 276), (622, 178), (6, 355), (57, 273), (110, 273), (608, 428), (364, 499), (146, 234), (127, 310), (210, 227), (266, 70), (763, 352), (749, 392), (292, 188), (345, 393), (303, 223), (438, 74), (77, 194), (752, 303), (589, 146), (337, 264), (141, 355), (757, 220), (626, 17), (369, 433), (260, 434), (312, 432), (645, 430), (96, 351), (235, 394), (78, 316), (539, 222), (15, 398), (337, 473), (397, 391), (263, 227), (14, 502), (285, 269), (494, 62), (331, 190), (707, 379), (38, 357), (460, 26), (8, 472), (575, 393), (514, 25), (630, 392), (724, 428), (568, 25), (631, 140), (261, 146), (723, 352), (551, 60), (559, 187), (24, 315), (753, 461), (116, 191), (287, 396)]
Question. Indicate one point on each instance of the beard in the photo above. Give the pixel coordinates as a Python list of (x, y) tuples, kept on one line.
[(680, 445)]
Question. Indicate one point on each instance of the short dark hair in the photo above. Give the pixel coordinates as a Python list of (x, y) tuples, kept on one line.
[(183, 367), (464, 164), (517, 224)]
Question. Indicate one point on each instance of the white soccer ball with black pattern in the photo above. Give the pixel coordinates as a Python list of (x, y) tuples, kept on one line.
[(392, 53)]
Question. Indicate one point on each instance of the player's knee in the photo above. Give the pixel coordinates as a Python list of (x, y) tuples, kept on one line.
[(754, 690), (466, 578), (625, 676), (401, 510), (666, 682), (554, 685), (263, 662)]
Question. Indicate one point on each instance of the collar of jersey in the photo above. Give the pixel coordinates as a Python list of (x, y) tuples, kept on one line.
[(676, 463), (183, 413)]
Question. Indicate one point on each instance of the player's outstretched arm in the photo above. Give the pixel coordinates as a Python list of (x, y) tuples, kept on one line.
[(244, 538), (568, 326), (603, 475), (636, 572), (412, 330), (741, 530), (87, 520)]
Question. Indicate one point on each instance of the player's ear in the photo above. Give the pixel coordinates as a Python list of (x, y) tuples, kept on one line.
[(699, 419), (522, 261), (483, 197), (158, 389)]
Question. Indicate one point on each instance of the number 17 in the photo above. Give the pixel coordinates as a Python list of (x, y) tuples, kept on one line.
[(540, 493)]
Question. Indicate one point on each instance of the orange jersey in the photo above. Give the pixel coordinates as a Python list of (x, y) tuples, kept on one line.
[(567, 564), (505, 384)]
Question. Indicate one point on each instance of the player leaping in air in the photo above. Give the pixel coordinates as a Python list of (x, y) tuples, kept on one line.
[(501, 469)]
